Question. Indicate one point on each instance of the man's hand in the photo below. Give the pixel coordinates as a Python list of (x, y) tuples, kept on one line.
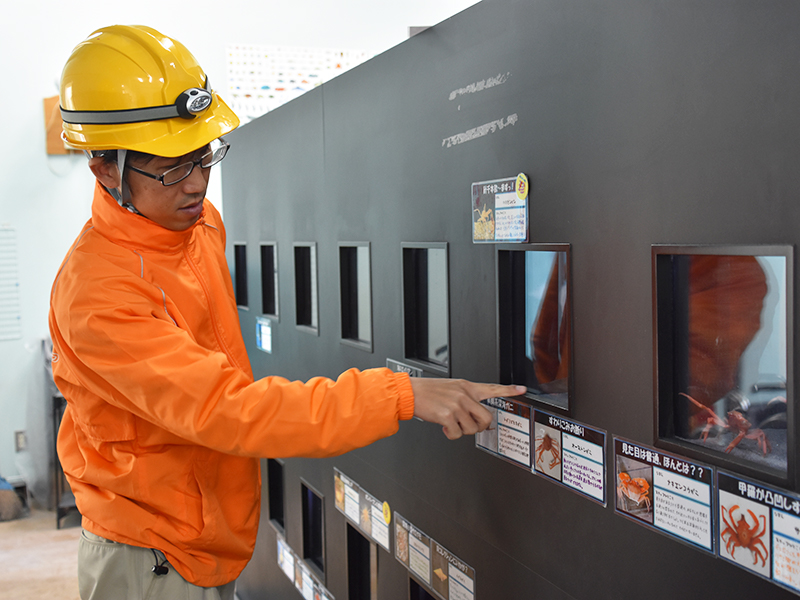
[(455, 403)]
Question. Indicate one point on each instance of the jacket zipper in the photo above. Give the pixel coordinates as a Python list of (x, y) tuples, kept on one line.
[(217, 333)]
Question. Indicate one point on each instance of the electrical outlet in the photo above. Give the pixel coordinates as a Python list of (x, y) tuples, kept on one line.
[(20, 441)]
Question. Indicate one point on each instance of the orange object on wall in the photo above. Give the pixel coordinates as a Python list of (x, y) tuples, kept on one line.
[(52, 127)]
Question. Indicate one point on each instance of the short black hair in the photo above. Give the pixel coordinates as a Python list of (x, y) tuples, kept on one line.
[(110, 156)]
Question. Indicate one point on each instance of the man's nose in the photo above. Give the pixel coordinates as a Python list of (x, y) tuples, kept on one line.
[(197, 181)]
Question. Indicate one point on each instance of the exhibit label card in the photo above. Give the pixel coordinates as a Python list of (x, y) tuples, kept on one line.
[(370, 515), (452, 578), (570, 453), (378, 526), (759, 529), (399, 367), (401, 533), (665, 492), (298, 572), (348, 499), (306, 584), (264, 334), (419, 554), (285, 558), (509, 434), (500, 210), (449, 577)]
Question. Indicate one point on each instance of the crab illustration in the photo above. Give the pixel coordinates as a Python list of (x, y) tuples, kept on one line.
[(484, 225), (735, 422), (635, 489), (544, 444), (741, 534)]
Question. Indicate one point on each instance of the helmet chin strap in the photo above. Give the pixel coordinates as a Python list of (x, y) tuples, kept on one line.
[(122, 194)]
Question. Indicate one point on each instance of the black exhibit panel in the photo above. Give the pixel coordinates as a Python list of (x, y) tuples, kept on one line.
[(269, 279), (723, 318), (305, 287), (313, 528), (660, 144), (362, 566), (240, 269), (355, 294), (534, 320), (276, 497), (418, 592), (426, 306)]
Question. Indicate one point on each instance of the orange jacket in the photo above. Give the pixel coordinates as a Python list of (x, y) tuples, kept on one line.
[(164, 422)]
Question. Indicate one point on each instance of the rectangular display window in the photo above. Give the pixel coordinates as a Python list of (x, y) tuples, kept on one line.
[(313, 528), (269, 279), (355, 287), (275, 496), (362, 566), (723, 352), (240, 274), (426, 305), (534, 320), (305, 287), (417, 592)]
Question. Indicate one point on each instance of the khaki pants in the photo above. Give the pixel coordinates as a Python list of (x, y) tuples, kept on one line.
[(112, 571)]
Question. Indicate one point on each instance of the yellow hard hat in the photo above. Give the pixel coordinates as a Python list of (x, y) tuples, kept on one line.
[(133, 88)]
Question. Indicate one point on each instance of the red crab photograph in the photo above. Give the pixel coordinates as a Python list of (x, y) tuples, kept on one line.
[(635, 488), (745, 533), (547, 451)]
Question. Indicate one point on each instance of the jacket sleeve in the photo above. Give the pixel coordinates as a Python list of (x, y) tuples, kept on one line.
[(117, 355)]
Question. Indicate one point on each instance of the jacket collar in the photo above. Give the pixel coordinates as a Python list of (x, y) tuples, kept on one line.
[(135, 231)]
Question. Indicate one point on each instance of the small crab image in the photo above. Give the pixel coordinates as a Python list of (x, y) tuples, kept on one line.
[(635, 489), (544, 443), (741, 534), (484, 225)]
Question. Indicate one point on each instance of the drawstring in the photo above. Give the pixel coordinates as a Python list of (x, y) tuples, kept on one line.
[(162, 568)]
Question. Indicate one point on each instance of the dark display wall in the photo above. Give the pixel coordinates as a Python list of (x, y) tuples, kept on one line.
[(638, 122)]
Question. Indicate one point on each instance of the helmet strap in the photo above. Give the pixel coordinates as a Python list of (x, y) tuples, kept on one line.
[(122, 194)]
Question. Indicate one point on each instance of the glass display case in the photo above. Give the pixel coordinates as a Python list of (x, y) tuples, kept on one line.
[(426, 306), (723, 351), (534, 320)]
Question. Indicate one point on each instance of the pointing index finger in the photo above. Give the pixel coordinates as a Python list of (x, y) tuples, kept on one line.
[(490, 390)]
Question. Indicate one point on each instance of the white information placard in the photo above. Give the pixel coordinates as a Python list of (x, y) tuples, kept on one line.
[(570, 453), (500, 210), (509, 435), (666, 492), (759, 529)]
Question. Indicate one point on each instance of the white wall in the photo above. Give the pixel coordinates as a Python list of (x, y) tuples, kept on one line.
[(47, 199)]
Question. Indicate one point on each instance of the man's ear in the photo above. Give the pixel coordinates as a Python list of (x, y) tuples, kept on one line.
[(106, 172)]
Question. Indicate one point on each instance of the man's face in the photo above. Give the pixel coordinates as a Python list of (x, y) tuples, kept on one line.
[(176, 207)]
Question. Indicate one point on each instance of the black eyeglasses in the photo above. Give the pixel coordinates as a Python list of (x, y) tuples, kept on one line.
[(217, 151)]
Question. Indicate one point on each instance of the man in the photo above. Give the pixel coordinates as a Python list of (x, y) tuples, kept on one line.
[(165, 425)]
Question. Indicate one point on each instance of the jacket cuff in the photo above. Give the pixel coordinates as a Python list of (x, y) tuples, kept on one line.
[(405, 402)]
